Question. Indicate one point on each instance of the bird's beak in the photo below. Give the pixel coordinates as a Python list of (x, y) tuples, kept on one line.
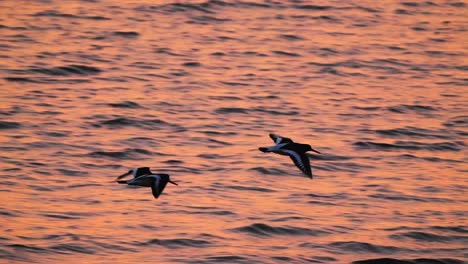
[(173, 183), (316, 151), (121, 176)]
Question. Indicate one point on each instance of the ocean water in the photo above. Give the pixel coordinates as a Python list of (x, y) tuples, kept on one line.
[(92, 88)]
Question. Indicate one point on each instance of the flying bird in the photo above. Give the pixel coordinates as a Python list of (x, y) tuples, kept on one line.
[(144, 177), (296, 151)]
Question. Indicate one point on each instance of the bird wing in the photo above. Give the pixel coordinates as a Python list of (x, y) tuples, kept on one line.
[(279, 139), (155, 187), (122, 176), (301, 161)]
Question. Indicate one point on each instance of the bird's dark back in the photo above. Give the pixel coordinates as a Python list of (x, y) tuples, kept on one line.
[(142, 171), (301, 148)]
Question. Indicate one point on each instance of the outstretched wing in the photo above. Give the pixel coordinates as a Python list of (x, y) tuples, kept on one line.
[(301, 161), (279, 139), (123, 175), (158, 186)]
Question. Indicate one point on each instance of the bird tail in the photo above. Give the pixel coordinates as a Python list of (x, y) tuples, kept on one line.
[(122, 182)]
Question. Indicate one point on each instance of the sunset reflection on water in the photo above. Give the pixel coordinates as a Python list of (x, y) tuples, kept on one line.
[(91, 89)]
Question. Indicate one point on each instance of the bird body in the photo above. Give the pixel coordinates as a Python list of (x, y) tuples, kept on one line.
[(145, 178), (296, 151)]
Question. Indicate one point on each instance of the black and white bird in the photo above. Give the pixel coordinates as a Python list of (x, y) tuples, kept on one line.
[(144, 177), (296, 151)]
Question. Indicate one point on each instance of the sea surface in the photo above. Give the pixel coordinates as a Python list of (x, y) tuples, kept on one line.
[(90, 89)]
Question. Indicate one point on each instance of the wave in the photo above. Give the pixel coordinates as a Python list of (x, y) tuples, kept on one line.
[(406, 197), (54, 13), (410, 145), (411, 261), (249, 188), (176, 243), (354, 246), (72, 69), (129, 153), (120, 122), (125, 104), (412, 132), (269, 171), (458, 121), (429, 237), (9, 125), (126, 34), (260, 229)]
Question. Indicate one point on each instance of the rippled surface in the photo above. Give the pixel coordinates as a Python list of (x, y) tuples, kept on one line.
[(93, 88)]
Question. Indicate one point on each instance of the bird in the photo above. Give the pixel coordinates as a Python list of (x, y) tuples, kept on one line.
[(143, 176), (296, 151)]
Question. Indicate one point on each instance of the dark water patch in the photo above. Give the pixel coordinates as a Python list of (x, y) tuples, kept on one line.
[(29, 248), (429, 237), (261, 98), (285, 53), (363, 247), (224, 97), (173, 161), (72, 69), (54, 13), (40, 188), (402, 109), (61, 216), (209, 156), (171, 8), (127, 154), (72, 172), (84, 185), (55, 133), (231, 110), (456, 229), (367, 108), (211, 141), (410, 145), (458, 121), (22, 79), (284, 259), (260, 229), (166, 51), (6, 213), (269, 171), (176, 243), (291, 37), (9, 125), (290, 218), (344, 166), (208, 20), (409, 198), (234, 83), (411, 261), (249, 188), (413, 132), (313, 7), (125, 104), (113, 247), (126, 34), (238, 110), (192, 64), (430, 159), (218, 133), (120, 122), (67, 248), (226, 259), (275, 112)]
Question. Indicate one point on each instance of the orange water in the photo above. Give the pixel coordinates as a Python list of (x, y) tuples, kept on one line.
[(192, 89)]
